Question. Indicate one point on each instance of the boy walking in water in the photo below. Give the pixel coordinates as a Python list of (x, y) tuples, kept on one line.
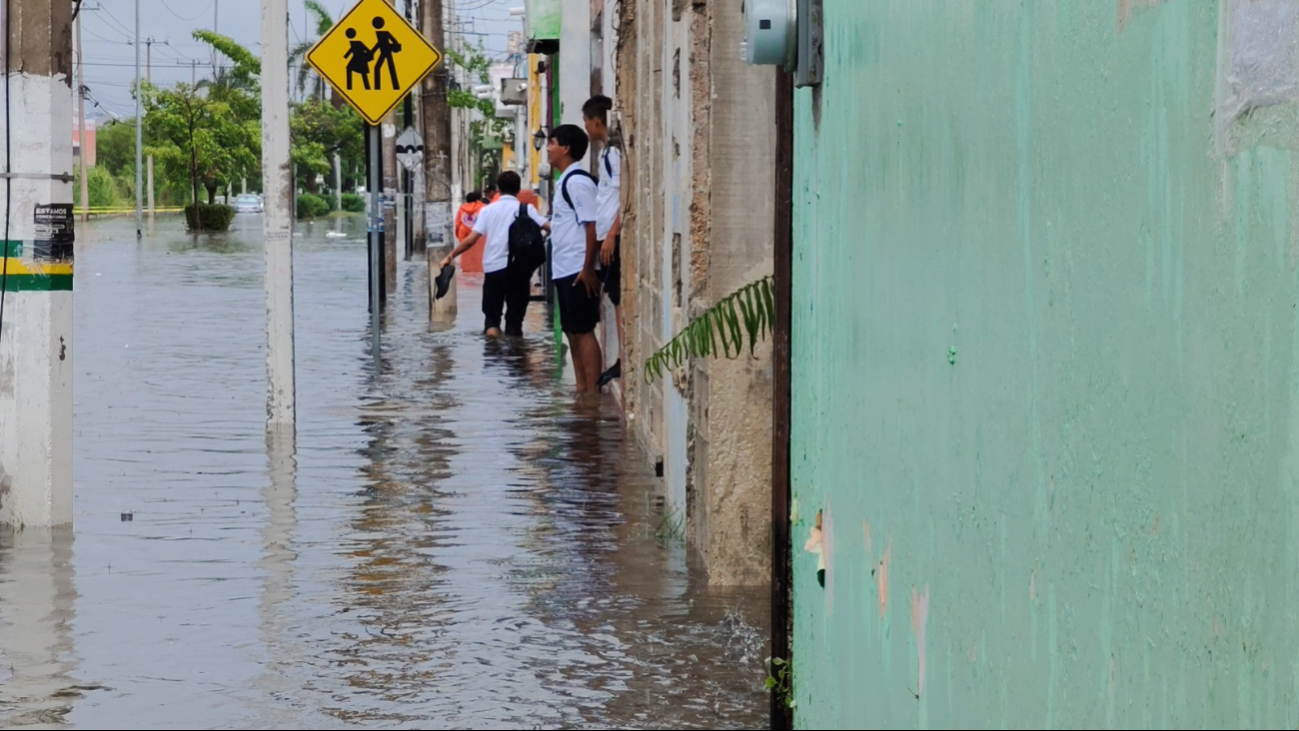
[(574, 248), (608, 224), (504, 288)]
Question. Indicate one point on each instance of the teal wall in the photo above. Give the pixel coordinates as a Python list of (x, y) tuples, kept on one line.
[(1046, 373)]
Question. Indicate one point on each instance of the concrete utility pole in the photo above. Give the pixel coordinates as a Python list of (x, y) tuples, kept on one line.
[(81, 123), (277, 185), (437, 136), (338, 182), (36, 270)]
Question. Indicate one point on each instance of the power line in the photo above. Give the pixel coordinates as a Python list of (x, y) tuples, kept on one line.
[(121, 27), (178, 15)]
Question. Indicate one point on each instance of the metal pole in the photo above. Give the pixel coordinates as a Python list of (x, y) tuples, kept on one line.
[(281, 409), (216, 28), (375, 183), (149, 77), (139, 138), (81, 114), (408, 122)]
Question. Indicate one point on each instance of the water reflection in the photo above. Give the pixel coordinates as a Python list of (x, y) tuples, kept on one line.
[(37, 609), (449, 540)]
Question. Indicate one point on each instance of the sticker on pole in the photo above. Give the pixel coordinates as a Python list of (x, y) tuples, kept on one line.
[(410, 148), (373, 57)]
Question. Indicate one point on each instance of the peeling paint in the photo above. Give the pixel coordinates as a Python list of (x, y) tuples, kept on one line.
[(1123, 429)]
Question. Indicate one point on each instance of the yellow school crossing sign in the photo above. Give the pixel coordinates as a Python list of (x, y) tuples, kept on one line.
[(373, 57)]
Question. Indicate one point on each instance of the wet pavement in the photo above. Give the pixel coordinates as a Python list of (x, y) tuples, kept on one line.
[(451, 542)]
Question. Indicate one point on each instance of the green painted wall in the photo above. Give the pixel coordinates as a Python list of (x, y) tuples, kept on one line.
[(544, 18), (1046, 372)]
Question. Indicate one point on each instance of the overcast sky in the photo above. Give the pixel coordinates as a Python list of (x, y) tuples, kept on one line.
[(109, 30)]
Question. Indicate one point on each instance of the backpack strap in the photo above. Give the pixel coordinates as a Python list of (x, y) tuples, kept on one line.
[(608, 166), (563, 188)]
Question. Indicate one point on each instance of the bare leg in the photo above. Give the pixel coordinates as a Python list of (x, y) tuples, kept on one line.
[(579, 363), (592, 361)]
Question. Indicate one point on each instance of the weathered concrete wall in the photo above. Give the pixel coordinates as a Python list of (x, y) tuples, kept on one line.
[(699, 134), (733, 235), (1046, 368)]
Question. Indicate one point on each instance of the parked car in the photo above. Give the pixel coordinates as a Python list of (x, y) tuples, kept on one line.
[(248, 203)]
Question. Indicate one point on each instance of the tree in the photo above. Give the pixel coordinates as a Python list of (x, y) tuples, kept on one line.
[(201, 134), (247, 67), (307, 76), (115, 147), (476, 64), (318, 130)]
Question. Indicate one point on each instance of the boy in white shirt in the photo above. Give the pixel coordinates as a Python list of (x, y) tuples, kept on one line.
[(574, 247), (608, 225), (503, 287)]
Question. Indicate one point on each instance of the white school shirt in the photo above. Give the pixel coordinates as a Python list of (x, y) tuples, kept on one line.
[(568, 223), (608, 201), (494, 223)]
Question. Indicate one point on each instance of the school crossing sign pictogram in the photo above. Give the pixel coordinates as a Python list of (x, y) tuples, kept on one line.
[(373, 57)]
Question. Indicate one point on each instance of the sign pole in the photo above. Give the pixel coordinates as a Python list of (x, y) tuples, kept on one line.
[(373, 57), (374, 185)]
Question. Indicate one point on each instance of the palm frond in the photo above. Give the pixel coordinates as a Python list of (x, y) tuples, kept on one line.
[(746, 315), (246, 63), (318, 11)]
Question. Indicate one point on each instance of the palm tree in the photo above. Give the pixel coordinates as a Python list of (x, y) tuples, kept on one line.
[(307, 76)]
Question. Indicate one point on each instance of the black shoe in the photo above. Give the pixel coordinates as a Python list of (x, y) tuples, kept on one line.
[(615, 371), (444, 280)]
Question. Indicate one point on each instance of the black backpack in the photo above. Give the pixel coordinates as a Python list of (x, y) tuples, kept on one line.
[(527, 244)]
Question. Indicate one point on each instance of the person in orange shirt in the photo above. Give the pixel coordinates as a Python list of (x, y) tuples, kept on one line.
[(465, 218), (527, 197)]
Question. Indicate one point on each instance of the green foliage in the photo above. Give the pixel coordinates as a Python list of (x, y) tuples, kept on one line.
[(103, 188), (115, 147), (318, 130), (307, 76), (749, 311), (247, 65), (312, 206), (353, 203), (780, 680), (205, 136), (475, 61), (211, 217)]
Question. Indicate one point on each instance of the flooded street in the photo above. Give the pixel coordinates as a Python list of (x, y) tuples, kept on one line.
[(451, 542)]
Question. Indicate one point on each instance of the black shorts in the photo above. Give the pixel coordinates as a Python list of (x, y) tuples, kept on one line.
[(505, 291), (579, 312), (611, 276)]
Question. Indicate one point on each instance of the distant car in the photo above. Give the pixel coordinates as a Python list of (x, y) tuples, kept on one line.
[(248, 203)]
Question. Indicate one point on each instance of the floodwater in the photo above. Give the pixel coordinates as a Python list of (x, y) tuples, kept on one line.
[(453, 542)]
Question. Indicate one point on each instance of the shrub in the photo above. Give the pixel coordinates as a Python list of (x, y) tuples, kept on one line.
[(104, 189), (353, 203), (312, 206), (211, 217)]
